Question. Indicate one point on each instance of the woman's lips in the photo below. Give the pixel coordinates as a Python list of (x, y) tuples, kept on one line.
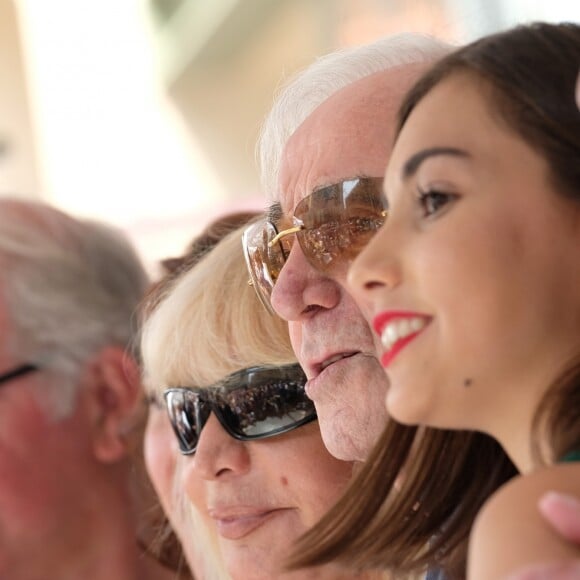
[(396, 330), (234, 527)]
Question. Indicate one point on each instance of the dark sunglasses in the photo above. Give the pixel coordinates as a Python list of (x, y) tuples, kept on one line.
[(254, 403), (17, 372), (332, 225)]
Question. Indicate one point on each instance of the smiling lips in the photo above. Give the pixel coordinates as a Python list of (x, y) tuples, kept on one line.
[(397, 330)]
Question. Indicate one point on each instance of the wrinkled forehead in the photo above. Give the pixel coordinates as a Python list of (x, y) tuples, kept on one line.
[(349, 135)]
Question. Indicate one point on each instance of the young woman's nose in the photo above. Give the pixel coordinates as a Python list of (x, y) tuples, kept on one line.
[(377, 268), (218, 454)]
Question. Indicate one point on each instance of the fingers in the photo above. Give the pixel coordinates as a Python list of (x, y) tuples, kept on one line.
[(562, 512)]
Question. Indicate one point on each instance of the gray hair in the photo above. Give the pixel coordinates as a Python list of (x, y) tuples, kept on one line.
[(326, 76), (71, 287)]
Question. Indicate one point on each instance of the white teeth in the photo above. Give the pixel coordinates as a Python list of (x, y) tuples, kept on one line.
[(398, 329)]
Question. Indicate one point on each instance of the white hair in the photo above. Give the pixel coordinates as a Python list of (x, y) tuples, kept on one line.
[(326, 76), (70, 288)]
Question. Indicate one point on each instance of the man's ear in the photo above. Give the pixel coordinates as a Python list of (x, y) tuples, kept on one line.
[(115, 396)]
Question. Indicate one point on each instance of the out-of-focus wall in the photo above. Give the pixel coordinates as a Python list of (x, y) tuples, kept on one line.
[(18, 170), (145, 113), (223, 61), (227, 86), (111, 144)]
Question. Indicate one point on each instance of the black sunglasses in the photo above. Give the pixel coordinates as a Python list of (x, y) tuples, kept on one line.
[(17, 372), (254, 403)]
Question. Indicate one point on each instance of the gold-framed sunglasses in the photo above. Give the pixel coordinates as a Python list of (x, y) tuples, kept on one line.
[(332, 225)]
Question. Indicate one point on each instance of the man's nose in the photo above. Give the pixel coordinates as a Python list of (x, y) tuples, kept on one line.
[(301, 290)]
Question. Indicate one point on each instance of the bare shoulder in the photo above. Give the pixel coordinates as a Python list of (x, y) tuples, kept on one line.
[(509, 532)]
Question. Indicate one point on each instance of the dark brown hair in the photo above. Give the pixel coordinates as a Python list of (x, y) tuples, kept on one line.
[(419, 492), (531, 73)]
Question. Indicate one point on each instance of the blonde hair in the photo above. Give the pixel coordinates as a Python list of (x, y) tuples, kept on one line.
[(209, 323), (204, 325)]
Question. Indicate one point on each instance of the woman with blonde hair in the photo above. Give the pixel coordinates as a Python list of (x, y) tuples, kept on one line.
[(232, 445)]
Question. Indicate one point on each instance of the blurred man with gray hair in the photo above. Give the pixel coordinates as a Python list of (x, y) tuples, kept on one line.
[(69, 400)]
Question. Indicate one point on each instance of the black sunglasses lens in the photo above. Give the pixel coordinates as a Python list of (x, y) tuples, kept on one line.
[(188, 413), (264, 402)]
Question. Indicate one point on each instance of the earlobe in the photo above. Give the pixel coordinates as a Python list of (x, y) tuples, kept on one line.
[(116, 395)]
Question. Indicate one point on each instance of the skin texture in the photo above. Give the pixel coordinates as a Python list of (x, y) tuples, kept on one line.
[(227, 480), (34, 503), (562, 512), (161, 460), (468, 284), (349, 135), (65, 495), (509, 514), (464, 258)]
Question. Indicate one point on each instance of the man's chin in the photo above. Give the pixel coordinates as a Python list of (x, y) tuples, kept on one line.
[(339, 440)]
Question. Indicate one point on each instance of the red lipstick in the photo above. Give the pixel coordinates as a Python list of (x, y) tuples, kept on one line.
[(396, 330)]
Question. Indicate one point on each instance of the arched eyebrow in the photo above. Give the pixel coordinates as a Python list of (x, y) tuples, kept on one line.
[(414, 162)]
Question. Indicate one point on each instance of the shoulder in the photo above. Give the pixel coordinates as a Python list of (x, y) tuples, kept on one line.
[(509, 532)]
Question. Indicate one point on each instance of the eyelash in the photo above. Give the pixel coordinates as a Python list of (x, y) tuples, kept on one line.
[(424, 198)]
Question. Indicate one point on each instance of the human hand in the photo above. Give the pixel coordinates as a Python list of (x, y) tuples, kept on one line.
[(562, 512)]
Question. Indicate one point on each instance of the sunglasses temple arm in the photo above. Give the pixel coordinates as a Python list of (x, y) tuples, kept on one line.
[(283, 234)]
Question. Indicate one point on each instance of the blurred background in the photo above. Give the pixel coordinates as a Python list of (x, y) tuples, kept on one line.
[(144, 113)]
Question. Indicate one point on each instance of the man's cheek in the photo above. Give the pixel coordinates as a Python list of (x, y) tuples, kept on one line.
[(295, 331)]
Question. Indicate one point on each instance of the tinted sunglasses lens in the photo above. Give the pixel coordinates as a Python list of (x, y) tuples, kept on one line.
[(276, 253), (339, 221), (187, 414), (265, 402), (264, 262)]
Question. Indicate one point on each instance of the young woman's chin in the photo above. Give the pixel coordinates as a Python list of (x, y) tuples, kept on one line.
[(415, 407), (407, 405)]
